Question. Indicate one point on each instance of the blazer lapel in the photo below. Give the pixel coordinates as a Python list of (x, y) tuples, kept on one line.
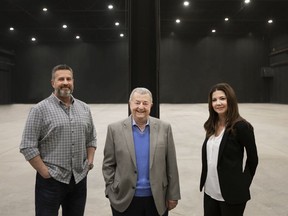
[(153, 139), (127, 128)]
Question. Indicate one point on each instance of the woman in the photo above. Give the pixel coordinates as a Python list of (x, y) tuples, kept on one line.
[(226, 176)]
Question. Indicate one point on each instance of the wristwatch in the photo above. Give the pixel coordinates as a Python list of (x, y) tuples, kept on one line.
[(90, 166)]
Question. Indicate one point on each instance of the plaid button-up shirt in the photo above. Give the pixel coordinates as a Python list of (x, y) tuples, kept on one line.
[(61, 136)]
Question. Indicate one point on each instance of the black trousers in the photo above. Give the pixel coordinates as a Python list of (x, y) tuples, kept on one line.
[(51, 194), (140, 206), (214, 207)]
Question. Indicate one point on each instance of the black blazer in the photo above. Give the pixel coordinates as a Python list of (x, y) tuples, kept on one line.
[(234, 182)]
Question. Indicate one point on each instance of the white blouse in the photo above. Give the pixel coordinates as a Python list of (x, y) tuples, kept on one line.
[(212, 187)]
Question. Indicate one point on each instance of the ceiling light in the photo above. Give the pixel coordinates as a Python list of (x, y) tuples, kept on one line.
[(11, 29), (45, 9), (270, 21), (226, 19), (213, 30), (177, 20), (121, 35), (117, 23), (186, 3), (77, 37), (33, 39), (110, 7), (64, 26), (247, 1)]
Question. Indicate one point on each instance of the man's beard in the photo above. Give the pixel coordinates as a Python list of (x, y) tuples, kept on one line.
[(64, 93)]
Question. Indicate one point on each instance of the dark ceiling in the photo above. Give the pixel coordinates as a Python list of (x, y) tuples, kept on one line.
[(204, 15), (94, 22), (90, 19)]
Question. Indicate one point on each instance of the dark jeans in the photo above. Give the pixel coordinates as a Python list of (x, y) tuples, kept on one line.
[(50, 194), (140, 206), (214, 207)]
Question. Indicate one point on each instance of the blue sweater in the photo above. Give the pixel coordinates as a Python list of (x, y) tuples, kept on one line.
[(142, 151)]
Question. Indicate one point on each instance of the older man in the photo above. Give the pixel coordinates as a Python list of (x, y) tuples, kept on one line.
[(139, 165)]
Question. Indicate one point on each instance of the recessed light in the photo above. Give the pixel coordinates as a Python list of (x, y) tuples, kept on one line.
[(110, 7), (77, 37), (11, 29), (213, 30), (226, 19), (64, 26), (121, 35), (177, 20), (117, 23), (247, 1), (45, 9), (33, 39), (270, 21), (186, 3)]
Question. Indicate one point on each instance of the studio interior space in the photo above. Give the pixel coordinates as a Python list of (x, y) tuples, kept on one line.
[(175, 48)]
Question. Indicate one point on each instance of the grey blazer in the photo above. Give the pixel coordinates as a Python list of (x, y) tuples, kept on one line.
[(120, 170)]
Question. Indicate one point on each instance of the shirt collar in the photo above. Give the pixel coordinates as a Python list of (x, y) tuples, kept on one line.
[(134, 123), (61, 102)]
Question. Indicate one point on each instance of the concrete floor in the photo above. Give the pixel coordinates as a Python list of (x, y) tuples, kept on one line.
[(269, 189)]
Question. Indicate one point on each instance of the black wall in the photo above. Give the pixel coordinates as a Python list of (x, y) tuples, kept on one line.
[(279, 64), (188, 68), (100, 71), (6, 71)]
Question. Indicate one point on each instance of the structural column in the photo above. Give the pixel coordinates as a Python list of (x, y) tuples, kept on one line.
[(144, 39)]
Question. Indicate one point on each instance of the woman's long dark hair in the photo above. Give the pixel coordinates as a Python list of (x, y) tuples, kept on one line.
[(232, 116)]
